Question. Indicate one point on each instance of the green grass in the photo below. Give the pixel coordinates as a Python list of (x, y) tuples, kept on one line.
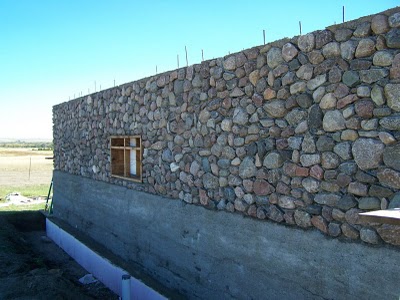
[(27, 191), (38, 206)]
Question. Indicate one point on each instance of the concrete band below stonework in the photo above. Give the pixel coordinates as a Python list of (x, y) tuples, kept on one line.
[(208, 254)]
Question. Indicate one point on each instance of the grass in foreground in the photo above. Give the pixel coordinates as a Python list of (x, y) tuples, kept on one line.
[(27, 191), (30, 207)]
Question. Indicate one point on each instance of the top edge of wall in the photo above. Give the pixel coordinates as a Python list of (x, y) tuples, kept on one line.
[(352, 24)]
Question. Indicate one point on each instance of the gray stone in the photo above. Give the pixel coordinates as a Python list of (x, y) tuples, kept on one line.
[(392, 93), (310, 184), (308, 160), (370, 236), (206, 165), (329, 160), (368, 153), (343, 34), (395, 202), (308, 145), (223, 163), (275, 108), (346, 202), (167, 156), (230, 63), (373, 75), (393, 38), (295, 142), (274, 57), (305, 72), (275, 214), (328, 101), (349, 231), (382, 59), (306, 42), (327, 199), (273, 160), (343, 150), (363, 30), (390, 234), (295, 116), (304, 100), (210, 181), (379, 24), (391, 156), (236, 92), (289, 52), (194, 168), (386, 138), (298, 87), (369, 203), (315, 117), (357, 188), (390, 123), (286, 202), (325, 143), (240, 116), (178, 87), (348, 168), (334, 229), (348, 49), (302, 218), (377, 95), (322, 38), (331, 50), (247, 168), (316, 82), (350, 78), (394, 20), (333, 121)]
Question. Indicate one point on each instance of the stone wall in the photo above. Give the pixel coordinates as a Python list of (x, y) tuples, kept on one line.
[(302, 131)]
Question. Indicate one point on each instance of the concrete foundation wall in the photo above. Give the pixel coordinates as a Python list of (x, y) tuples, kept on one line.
[(206, 254)]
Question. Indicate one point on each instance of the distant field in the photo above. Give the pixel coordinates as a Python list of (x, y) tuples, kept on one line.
[(25, 170)]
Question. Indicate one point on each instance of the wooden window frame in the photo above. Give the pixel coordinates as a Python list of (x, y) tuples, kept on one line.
[(120, 151)]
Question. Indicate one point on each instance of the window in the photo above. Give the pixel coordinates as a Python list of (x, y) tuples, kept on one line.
[(126, 157)]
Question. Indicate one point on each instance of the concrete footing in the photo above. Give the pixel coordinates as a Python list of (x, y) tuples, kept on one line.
[(105, 271)]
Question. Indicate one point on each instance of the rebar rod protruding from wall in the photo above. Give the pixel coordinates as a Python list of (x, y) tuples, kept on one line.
[(300, 26), (187, 63), (264, 35), (177, 59), (202, 55), (343, 13)]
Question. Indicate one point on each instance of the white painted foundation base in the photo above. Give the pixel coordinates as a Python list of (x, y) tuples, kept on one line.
[(109, 274)]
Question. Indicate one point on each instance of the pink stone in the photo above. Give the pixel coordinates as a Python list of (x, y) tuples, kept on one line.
[(252, 211), (364, 108), (346, 101), (320, 223), (302, 172), (262, 187), (289, 169), (203, 197), (317, 172)]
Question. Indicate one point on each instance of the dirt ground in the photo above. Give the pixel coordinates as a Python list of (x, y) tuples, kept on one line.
[(33, 267)]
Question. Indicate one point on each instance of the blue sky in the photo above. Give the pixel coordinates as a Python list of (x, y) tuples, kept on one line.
[(52, 50)]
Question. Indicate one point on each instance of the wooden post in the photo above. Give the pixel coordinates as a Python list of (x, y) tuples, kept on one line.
[(30, 164)]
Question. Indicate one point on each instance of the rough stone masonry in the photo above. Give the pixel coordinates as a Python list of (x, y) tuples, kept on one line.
[(301, 131)]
